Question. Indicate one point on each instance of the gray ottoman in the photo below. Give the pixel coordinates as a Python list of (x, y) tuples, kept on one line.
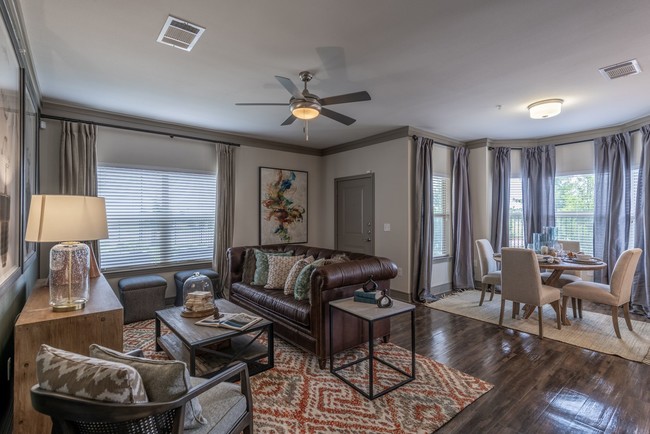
[(182, 276), (142, 296)]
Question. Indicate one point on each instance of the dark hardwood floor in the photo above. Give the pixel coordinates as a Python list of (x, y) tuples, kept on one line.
[(540, 386)]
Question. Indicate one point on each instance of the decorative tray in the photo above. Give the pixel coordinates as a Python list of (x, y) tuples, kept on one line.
[(593, 261)]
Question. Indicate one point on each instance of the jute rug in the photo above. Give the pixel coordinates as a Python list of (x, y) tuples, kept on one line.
[(594, 331), (298, 397)]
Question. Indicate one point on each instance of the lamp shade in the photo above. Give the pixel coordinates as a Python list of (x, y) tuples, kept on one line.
[(545, 109), (54, 218)]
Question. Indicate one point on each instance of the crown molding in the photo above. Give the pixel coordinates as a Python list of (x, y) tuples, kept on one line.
[(65, 110), (435, 137), (398, 133)]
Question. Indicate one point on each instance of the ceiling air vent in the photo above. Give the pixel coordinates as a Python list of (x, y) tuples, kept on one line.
[(622, 69), (180, 34)]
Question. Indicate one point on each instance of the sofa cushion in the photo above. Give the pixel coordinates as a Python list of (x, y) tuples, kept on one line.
[(86, 377), (164, 380), (262, 265), (301, 291), (248, 266), (279, 267), (275, 301), (294, 273)]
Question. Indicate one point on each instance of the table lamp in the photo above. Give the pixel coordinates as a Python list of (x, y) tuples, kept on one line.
[(60, 218)]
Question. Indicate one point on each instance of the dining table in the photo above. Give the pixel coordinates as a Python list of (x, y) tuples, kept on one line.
[(557, 268)]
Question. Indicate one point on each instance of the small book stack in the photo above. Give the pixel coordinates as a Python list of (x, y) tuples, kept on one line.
[(365, 297), (199, 301)]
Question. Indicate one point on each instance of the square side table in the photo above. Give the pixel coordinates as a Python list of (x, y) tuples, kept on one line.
[(371, 313)]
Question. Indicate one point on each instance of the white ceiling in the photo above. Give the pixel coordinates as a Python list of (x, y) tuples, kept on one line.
[(442, 66)]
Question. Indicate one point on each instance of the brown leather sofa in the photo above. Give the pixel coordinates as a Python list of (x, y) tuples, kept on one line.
[(306, 323)]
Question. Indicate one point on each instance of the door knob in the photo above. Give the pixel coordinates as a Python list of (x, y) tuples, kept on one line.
[(368, 239)]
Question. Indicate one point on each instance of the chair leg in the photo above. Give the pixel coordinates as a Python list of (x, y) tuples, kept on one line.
[(541, 327), (480, 303), (573, 305), (515, 309), (503, 307), (580, 308), (556, 306), (615, 321), (565, 300), (626, 314), (493, 288)]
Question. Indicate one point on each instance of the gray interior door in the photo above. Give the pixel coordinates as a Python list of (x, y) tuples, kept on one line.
[(355, 214)]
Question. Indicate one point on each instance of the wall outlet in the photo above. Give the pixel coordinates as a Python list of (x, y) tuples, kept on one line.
[(386, 227), (399, 271)]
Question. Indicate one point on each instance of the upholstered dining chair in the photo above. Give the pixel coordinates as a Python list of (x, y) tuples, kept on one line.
[(616, 294), (490, 275), (521, 283), (568, 276)]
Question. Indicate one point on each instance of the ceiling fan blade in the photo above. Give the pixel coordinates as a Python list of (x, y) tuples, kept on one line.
[(348, 97), (337, 116), (289, 120), (262, 103), (288, 85)]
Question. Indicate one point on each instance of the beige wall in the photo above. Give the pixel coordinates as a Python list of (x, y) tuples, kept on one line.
[(480, 186), (391, 164)]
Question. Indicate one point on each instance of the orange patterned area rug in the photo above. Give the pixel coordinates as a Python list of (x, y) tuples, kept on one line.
[(298, 397)]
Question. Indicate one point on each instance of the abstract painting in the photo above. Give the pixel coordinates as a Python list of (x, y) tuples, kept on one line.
[(283, 206)]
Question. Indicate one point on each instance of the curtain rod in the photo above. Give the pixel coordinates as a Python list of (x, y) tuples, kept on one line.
[(414, 137), (491, 148), (140, 130)]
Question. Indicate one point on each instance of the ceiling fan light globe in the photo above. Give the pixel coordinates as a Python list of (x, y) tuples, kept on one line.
[(303, 109)]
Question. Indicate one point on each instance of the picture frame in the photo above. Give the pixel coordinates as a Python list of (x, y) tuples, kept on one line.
[(29, 161), (283, 207), (10, 153)]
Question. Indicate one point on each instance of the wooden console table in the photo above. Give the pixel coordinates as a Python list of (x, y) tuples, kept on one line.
[(100, 322)]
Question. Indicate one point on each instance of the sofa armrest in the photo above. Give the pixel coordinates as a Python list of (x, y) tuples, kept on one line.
[(355, 272)]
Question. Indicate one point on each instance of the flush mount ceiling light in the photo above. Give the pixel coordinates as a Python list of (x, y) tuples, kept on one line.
[(545, 109)]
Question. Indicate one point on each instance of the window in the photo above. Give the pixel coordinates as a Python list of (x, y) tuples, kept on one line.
[(574, 209), (441, 215), (516, 217), (156, 217), (633, 190)]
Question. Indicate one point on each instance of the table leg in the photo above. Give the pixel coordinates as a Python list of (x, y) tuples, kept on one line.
[(371, 357), (271, 348), (158, 347), (331, 345), (413, 343), (192, 361)]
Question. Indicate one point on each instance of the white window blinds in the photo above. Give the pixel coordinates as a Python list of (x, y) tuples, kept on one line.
[(441, 215), (574, 209), (516, 215), (156, 217)]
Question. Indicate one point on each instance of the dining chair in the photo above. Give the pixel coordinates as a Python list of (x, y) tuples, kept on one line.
[(521, 283), (616, 294), (490, 275), (567, 276)]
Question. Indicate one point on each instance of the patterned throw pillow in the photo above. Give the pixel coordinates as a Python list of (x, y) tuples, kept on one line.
[(293, 274), (262, 265), (248, 268), (164, 380), (279, 267), (85, 377), (301, 290)]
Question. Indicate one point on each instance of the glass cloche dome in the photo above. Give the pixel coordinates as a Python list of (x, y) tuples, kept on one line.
[(198, 296)]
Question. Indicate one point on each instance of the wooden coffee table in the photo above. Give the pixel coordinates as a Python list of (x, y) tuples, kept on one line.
[(215, 347)]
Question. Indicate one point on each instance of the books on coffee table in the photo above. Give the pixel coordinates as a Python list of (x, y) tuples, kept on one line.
[(233, 321)]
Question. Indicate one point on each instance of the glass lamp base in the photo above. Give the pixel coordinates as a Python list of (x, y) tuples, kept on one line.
[(69, 285)]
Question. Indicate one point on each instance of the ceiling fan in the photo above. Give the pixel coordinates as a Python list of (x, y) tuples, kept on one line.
[(305, 105)]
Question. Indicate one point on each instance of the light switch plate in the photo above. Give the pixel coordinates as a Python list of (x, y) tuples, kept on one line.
[(386, 227)]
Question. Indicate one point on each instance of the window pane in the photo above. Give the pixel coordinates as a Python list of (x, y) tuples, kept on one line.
[(441, 215), (516, 218), (633, 190), (156, 217), (574, 209)]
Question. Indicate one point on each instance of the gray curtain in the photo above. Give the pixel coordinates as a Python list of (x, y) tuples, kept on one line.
[(612, 200), (538, 188), (78, 159), (500, 198), (78, 163), (641, 287), (463, 270), (225, 213), (423, 224)]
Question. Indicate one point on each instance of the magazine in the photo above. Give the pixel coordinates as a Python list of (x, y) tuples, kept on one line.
[(233, 321)]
